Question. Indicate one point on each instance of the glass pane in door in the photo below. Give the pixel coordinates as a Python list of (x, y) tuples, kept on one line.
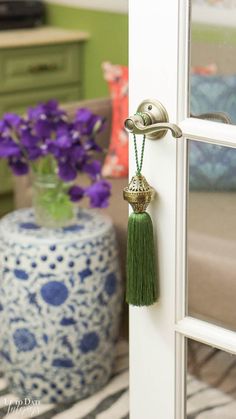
[(211, 234), (210, 382), (213, 63)]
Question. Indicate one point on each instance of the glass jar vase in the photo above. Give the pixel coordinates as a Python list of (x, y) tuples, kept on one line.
[(52, 204)]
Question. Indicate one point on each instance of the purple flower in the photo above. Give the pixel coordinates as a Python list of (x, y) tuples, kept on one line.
[(10, 123), (67, 171), (60, 146), (43, 127), (67, 146), (63, 128), (33, 153), (93, 169), (83, 115), (64, 141), (2, 126), (92, 145), (99, 193), (50, 110), (8, 148), (46, 118), (34, 113), (18, 167), (87, 122), (12, 120), (76, 193), (79, 156), (27, 138), (53, 149)]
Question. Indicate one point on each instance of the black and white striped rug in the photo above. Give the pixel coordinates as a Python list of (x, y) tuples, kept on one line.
[(211, 391), (211, 383), (204, 402)]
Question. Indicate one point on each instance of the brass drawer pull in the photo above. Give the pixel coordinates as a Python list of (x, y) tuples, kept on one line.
[(43, 67)]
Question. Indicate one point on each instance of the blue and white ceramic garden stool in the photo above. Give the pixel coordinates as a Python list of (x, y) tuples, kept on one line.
[(60, 302)]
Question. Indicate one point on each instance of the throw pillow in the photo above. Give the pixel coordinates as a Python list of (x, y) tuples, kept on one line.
[(116, 161), (212, 167)]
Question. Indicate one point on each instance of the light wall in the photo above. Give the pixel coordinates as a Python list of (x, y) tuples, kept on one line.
[(120, 6)]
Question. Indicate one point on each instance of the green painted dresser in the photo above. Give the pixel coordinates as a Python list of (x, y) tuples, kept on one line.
[(37, 65)]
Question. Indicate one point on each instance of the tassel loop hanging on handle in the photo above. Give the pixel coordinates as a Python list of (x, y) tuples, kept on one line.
[(141, 287)]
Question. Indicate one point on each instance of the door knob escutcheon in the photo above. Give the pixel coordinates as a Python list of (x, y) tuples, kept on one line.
[(151, 119)]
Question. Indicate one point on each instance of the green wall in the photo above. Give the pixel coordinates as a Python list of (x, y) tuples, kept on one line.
[(214, 34), (109, 41)]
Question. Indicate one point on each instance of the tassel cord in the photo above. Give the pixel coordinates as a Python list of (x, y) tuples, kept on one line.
[(139, 165)]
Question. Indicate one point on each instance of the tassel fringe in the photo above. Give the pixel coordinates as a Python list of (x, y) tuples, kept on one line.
[(141, 287)]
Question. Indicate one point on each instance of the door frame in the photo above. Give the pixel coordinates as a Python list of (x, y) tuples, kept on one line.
[(158, 333)]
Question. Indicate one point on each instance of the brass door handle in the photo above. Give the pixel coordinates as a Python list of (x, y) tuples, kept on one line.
[(151, 119)]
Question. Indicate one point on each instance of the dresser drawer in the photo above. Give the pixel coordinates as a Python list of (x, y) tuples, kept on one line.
[(41, 66), (19, 102)]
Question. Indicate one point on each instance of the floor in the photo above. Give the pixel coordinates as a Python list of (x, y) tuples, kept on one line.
[(211, 383), (211, 391)]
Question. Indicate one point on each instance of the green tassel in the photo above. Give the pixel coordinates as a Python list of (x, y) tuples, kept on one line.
[(141, 287)]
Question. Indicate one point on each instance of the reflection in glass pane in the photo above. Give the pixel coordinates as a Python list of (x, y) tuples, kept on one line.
[(212, 234), (213, 64), (211, 383)]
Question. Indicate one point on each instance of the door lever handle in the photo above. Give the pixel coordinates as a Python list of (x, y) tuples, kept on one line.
[(214, 116), (151, 119)]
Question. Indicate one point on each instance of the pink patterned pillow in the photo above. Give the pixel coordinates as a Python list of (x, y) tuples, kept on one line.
[(116, 161), (205, 70)]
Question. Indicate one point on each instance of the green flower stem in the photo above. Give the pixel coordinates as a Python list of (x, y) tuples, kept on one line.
[(52, 201), (45, 166)]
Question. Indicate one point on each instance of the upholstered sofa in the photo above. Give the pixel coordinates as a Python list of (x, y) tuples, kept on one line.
[(211, 257)]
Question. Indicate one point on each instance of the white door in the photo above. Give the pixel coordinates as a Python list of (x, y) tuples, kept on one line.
[(194, 256)]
